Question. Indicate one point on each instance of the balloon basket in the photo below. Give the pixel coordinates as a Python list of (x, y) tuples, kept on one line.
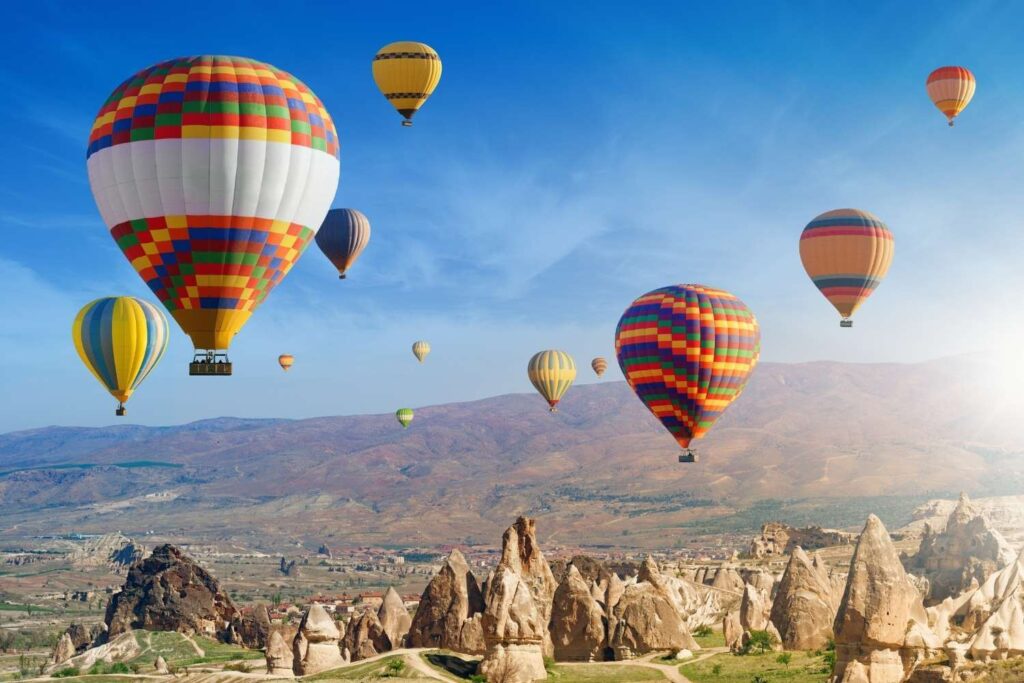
[(121, 411), (210, 364), (689, 456), (845, 322), (407, 123)]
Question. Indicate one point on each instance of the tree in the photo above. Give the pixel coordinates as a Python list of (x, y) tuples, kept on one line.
[(761, 641), (785, 658)]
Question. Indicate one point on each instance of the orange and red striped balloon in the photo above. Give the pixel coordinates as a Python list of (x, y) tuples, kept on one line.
[(951, 89)]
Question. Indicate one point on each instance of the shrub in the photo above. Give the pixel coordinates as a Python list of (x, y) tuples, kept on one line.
[(66, 673), (703, 631), (395, 668), (242, 667), (478, 678), (717, 669), (761, 641), (784, 658), (549, 664), (758, 678)]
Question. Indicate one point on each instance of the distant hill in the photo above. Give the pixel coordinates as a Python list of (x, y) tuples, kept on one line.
[(599, 469)]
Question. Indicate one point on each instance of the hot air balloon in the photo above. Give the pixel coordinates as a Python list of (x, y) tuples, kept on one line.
[(600, 365), (213, 174), (951, 89), (286, 361), (342, 237), (120, 339), (552, 373), (846, 253), (687, 351), (404, 416), (420, 349), (407, 73)]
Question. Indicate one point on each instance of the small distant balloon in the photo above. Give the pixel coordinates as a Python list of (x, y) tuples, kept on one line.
[(600, 365), (420, 349), (286, 360), (951, 89), (342, 238), (846, 253), (552, 373), (406, 73), (120, 339), (404, 416)]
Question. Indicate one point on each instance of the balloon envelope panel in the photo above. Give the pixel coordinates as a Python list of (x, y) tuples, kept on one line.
[(212, 174)]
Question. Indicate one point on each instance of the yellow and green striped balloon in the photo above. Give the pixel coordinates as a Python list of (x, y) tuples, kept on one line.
[(420, 349), (552, 373), (404, 416), (120, 339)]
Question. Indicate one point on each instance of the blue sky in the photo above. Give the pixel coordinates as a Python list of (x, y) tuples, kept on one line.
[(574, 156)]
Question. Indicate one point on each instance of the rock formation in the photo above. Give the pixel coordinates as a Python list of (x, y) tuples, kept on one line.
[(514, 630), (279, 656), (728, 579), (445, 615), (251, 629), (319, 643), (732, 630), (63, 651), (803, 610), (879, 609), (779, 539), (365, 636), (168, 591), (112, 550), (83, 637), (394, 619), (647, 617), (755, 609), (160, 664), (577, 620), (119, 648), (968, 549), (518, 598)]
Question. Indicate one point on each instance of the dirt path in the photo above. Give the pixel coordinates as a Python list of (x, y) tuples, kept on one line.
[(199, 651), (669, 671), (415, 660)]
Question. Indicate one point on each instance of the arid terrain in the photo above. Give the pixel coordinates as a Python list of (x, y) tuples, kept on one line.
[(809, 443)]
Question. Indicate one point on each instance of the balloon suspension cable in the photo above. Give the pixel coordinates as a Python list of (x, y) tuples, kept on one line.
[(121, 411)]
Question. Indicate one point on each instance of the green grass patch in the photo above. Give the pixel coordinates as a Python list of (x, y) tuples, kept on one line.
[(9, 607), (178, 652), (603, 673), (707, 640), (381, 668), (730, 668)]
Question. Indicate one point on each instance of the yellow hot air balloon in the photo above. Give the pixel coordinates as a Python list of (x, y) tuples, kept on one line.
[(846, 253), (407, 73), (552, 373), (286, 361), (120, 339), (600, 365), (420, 349)]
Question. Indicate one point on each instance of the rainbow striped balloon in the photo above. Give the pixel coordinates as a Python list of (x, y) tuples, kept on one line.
[(687, 351), (552, 372), (951, 89), (846, 253), (120, 339), (600, 365), (213, 174)]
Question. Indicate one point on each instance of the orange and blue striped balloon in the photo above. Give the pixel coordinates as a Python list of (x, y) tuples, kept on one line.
[(846, 253), (687, 351), (120, 339), (951, 89)]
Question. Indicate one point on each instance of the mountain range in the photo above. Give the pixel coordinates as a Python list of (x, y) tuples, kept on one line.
[(814, 436)]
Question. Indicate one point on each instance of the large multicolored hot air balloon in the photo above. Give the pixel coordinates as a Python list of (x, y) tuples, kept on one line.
[(404, 416), (407, 73), (342, 237), (951, 89), (420, 349), (552, 373), (286, 361), (120, 339), (846, 253), (213, 174), (687, 351), (600, 365)]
